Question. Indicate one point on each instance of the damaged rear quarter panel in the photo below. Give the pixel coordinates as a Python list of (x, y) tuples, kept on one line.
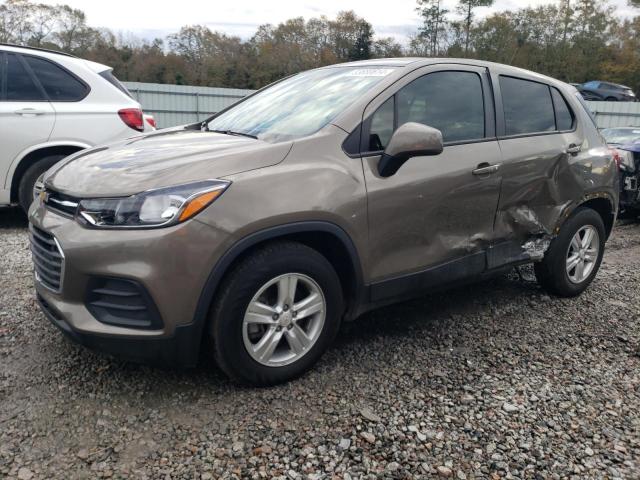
[(542, 185)]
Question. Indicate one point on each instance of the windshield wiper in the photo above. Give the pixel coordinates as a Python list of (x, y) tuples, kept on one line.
[(237, 134)]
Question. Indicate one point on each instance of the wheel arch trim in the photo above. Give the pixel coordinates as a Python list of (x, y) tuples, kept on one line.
[(221, 267), (10, 179), (585, 202)]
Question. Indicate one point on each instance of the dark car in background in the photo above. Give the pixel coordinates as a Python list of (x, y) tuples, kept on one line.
[(586, 95), (607, 91), (625, 146)]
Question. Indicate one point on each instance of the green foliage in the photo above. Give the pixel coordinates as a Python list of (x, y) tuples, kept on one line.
[(574, 40)]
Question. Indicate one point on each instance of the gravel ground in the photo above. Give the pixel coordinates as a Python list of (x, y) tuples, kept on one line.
[(495, 380)]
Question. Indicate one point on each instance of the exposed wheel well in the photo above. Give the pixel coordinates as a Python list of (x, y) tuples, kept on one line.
[(328, 245), (605, 210), (34, 157)]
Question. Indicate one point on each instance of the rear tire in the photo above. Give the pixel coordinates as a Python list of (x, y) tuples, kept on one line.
[(556, 272), (275, 318), (29, 177)]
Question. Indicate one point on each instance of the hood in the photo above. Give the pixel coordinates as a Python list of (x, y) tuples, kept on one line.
[(160, 159)]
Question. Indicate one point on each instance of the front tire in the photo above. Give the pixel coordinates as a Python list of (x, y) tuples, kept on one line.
[(279, 311), (574, 256), (29, 177)]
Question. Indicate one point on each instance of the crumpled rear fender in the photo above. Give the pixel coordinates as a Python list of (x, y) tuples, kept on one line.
[(539, 194)]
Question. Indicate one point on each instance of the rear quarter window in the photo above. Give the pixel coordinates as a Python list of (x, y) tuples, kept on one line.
[(110, 77), (564, 116)]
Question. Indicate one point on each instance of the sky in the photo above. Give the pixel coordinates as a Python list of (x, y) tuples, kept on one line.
[(149, 19)]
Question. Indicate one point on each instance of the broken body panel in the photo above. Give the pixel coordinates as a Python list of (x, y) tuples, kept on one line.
[(629, 177), (438, 220)]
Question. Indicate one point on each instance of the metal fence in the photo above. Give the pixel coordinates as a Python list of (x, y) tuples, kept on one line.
[(616, 114), (178, 104)]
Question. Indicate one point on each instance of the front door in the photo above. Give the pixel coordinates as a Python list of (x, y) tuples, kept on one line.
[(431, 222), (26, 116)]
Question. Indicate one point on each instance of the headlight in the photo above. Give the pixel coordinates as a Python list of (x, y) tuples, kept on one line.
[(153, 208), (38, 187)]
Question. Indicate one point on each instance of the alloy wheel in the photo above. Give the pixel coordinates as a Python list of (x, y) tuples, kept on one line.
[(284, 320), (582, 254)]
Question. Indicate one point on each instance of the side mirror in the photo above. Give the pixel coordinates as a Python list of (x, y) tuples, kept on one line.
[(409, 140)]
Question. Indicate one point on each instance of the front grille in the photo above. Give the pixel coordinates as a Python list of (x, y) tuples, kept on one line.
[(122, 302), (48, 258), (61, 203)]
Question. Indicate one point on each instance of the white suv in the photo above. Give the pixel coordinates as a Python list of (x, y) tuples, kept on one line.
[(52, 105)]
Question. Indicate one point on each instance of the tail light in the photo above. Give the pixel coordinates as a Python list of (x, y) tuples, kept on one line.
[(624, 159), (133, 118), (616, 156), (151, 121)]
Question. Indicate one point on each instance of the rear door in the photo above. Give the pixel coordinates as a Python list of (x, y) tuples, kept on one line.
[(26, 116), (539, 140), (77, 120), (431, 221)]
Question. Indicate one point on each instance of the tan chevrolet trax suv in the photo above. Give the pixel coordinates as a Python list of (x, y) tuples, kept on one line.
[(314, 200)]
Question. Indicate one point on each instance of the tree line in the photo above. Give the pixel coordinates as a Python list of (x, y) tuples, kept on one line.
[(573, 40)]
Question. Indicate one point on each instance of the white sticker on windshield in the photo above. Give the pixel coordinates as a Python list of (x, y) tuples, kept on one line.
[(635, 132), (370, 72)]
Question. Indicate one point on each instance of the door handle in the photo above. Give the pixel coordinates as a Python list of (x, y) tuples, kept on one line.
[(486, 168), (573, 149), (29, 111)]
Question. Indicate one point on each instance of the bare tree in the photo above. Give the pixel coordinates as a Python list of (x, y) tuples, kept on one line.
[(16, 25), (466, 8), (433, 26)]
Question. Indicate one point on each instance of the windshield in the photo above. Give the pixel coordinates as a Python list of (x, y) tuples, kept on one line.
[(621, 135), (300, 105)]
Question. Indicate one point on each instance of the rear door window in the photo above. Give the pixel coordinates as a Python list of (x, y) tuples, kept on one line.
[(20, 85), (60, 85), (3, 77), (528, 106)]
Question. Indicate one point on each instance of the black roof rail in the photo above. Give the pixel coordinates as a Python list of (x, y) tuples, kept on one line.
[(57, 52)]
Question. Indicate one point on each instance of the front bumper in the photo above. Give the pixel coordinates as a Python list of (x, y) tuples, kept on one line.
[(172, 264), (179, 350)]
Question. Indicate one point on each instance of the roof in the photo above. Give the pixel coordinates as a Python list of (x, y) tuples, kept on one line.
[(57, 52), (417, 62), (387, 62)]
